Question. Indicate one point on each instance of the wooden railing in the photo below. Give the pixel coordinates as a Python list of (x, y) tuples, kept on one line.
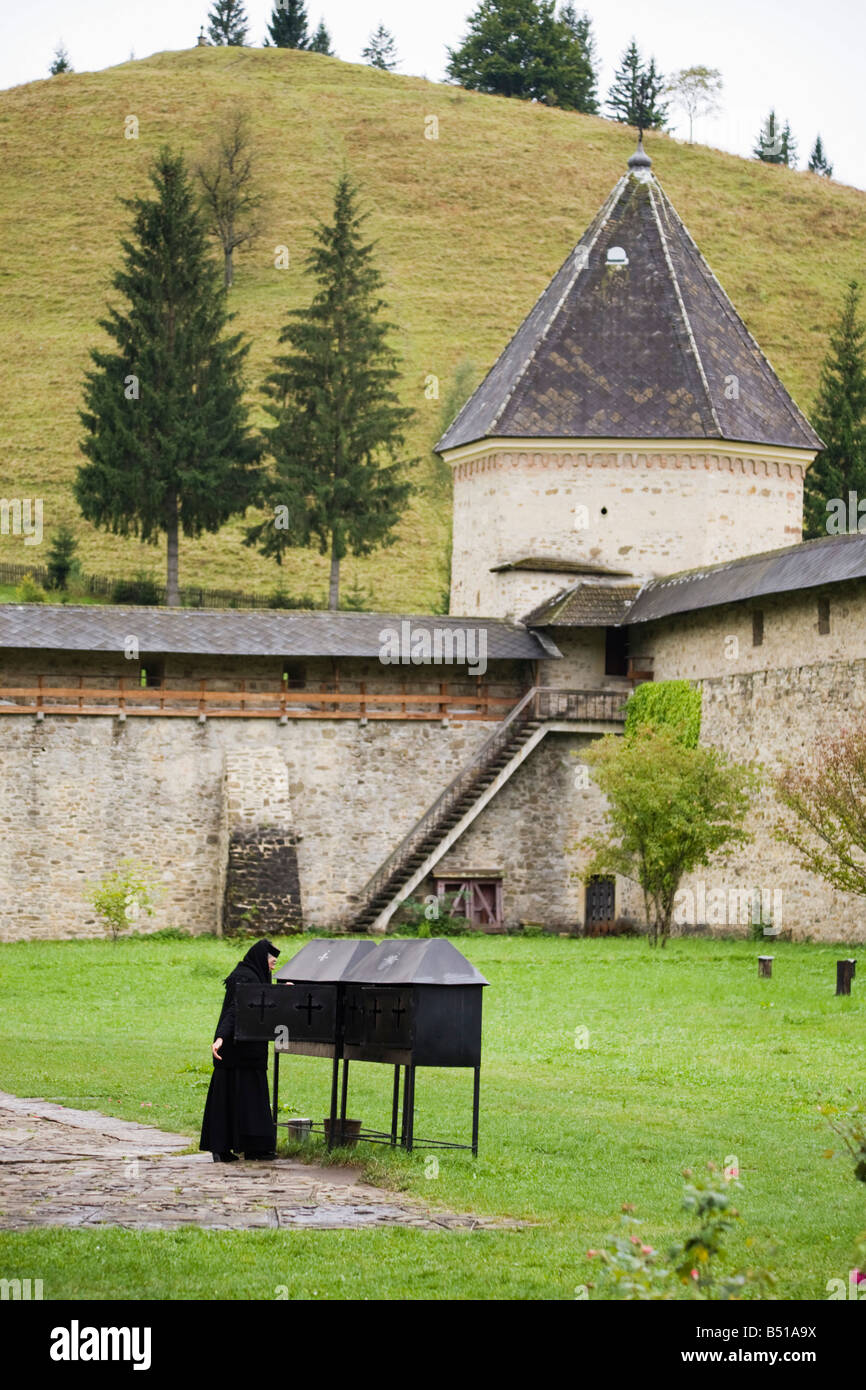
[(122, 699)]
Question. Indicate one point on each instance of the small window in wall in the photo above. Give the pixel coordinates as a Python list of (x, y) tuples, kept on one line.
[(152, 672), (294, 676), (823, 616), (758, 627), (615, 651)]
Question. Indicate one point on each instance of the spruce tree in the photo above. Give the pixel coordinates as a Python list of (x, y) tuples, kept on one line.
[(61, 556), (518, 48), (337, 416), (381, 50), (580, 26), (321, 41), (818, 162), (227, 23), (839, 417), (635, 94), (288, 25), (789, 147), (769, 146), (168, 441), (60, 62)]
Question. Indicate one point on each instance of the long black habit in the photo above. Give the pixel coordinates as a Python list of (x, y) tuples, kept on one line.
[(237, 1112)]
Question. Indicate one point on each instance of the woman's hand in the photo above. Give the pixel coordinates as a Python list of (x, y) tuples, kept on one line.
[(215, 1048)]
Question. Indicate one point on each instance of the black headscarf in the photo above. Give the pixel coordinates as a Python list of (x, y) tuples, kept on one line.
[(256, 959)]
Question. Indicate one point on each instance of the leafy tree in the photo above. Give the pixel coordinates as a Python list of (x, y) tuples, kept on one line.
[(381, 50), (696, 91), (776, 144), (61, 556), (818, 162), (670, 809), (335, 409), (839, 416), (227, 23), (230, 197), (822, 809), (120, 897), (168, 440), (674, 705), (518, 48), (60, 62), (636, 92), (288, 25), (321, 41)]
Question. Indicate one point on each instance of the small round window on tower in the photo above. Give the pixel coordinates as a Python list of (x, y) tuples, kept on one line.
[(604, 511), (616, 256)]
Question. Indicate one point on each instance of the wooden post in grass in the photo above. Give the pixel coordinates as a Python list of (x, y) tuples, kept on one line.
[(844, 975), (765, 967)]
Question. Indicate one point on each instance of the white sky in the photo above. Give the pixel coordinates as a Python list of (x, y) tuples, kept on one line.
[(802, 57)]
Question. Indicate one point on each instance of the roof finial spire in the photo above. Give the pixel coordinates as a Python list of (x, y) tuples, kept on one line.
[(640, 162)]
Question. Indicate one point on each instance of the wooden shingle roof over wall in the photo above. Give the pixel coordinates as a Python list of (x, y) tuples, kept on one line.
[(651, 349)]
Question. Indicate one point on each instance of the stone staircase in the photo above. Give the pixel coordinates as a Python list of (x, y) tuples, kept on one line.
[(494, 763)]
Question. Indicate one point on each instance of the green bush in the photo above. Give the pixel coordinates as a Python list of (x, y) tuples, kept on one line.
[(672, 705), (140, 590), (29, 591)]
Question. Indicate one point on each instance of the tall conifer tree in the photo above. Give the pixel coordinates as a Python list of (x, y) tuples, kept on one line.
[(839, 417), (818, 161), (337, 416), (168, 441), (321, 41), (227, 23), (288, 25), (635, 94)]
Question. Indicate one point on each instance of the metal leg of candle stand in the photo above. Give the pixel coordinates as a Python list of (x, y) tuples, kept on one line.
[(335, 1076), (405, 1120), (276, 1084), (476, 1093), (344, 1089), (411, 1130), (395, 1106)]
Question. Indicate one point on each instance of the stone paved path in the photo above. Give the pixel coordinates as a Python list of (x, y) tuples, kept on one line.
[(62, 1167)]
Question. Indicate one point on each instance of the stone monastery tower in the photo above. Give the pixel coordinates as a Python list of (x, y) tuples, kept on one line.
[(632, 427)]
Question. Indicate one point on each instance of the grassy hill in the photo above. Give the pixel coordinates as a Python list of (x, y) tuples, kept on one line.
[(470, 227)]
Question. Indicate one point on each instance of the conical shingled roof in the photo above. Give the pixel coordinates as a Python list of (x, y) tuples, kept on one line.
[(652, 349)]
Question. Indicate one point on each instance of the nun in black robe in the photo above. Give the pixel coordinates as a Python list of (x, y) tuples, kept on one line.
[(237, 1113)]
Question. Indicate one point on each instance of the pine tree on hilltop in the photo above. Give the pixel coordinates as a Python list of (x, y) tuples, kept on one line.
[(321, 41), (60, 62), (288, 25), (227, 23), (580, 25), (839, 417), (168, 440), (635, 94), (518, 48), (818, 162), (336, 413), (776, 144), (381, 50)]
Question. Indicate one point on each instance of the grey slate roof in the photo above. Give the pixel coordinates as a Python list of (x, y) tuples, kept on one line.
[(830, 560), (639, 351), (239, 632), (585, 605)]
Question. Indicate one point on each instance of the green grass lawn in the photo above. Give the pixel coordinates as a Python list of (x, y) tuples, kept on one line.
[(690, 1058)]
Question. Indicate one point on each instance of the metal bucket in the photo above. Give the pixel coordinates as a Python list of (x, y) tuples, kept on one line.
[(299, 1130)]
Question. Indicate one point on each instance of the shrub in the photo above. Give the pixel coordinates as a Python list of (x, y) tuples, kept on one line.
[(29, 591), (61, 557), (140, 590), (122, 895), (674, 705), (850, 1125), (634, 1271)]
